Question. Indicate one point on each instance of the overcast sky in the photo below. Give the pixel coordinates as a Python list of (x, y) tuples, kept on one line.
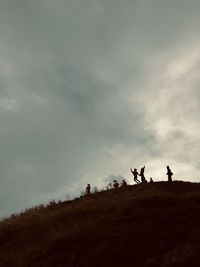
[(90, 88)]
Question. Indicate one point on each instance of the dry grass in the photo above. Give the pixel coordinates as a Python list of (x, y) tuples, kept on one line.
[(144, 225)]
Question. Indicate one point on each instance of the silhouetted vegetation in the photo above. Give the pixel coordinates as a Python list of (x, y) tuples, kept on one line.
[(146, 225)]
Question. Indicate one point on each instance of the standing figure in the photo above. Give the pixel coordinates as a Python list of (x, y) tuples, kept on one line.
[(135, 175), (115, 184), (88, 189), (169, 174), (123, 183), (151, 181), (143, 180)]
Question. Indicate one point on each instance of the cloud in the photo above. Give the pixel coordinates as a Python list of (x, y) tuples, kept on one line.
[(171, 108), (92, 88)]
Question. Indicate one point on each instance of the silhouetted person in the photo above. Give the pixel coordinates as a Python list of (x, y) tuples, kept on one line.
[(135, 175), (115, 184), (143, 180), (151, 181), (169, 174), (124, 183), (88, 187)]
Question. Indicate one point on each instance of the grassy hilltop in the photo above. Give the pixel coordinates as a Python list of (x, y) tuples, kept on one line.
[(148, 225)]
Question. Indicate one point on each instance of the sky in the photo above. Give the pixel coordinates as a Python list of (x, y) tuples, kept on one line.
[(92, 88)]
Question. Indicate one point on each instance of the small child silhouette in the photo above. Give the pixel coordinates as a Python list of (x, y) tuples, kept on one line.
[(115, 184), (88, 187)]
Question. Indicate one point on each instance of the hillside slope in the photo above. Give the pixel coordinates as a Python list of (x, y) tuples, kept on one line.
[(147, 225)]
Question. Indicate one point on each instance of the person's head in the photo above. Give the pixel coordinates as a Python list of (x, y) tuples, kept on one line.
[(135, 169), (167, 167)]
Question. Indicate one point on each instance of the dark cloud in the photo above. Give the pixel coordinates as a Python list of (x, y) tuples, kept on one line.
[(91, 88)]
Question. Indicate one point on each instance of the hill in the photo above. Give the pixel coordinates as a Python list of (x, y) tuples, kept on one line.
[(147, 225)]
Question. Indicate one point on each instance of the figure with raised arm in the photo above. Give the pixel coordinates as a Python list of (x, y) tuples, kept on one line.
[(135, 175)]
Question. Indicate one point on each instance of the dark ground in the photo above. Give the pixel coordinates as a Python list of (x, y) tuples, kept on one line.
[(149, 225)]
